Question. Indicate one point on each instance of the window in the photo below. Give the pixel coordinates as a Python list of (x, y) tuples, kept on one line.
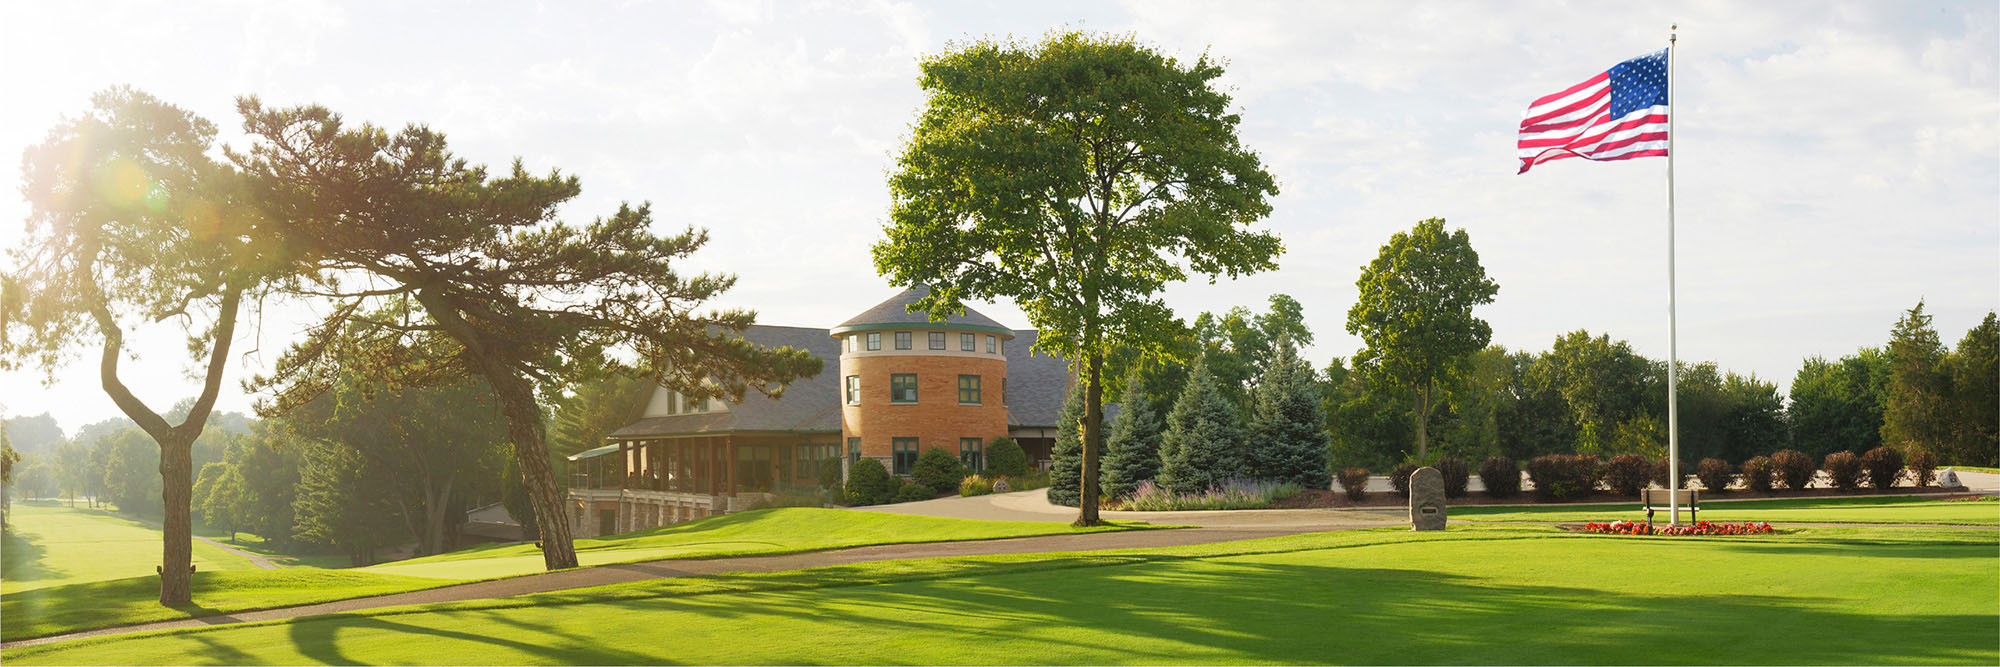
[(1003, 391), (992, 343), (968, 390), (753, 468), (692, 405), (968, 343), (972, 453), (853, 390), (854, 343), (937, 340), (874, 342), (854, 450), (903, 388), (902, 340), (906, 455)]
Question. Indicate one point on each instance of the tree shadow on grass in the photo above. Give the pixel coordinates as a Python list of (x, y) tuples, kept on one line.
[(21, 558), (1177, 611)]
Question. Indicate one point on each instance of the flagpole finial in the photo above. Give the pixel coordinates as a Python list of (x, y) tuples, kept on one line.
[(1671, 30)]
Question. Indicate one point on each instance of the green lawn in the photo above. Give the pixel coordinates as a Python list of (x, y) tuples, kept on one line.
[(1869, 509), (84, 606), (49, 544), (1995, 471), (76, 607), (1484, 594), (782, 530)]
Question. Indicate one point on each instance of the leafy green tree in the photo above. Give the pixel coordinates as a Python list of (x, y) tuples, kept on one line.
[(1837, 405), (129, 473), (73, 470), (585, 416), (1975, 371), (342, 503), (1288, 440), (226, 504), (1132, 452), (1367, 418), (1415, 312), (1078, 177), (269, 463), (39, 434), (508, 293), (1203, 444), (1066, 454), (1918, 409), (1601, 382), (131, 220)]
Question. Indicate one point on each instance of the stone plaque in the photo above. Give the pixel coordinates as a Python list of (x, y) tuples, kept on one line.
[(1948, 478), (1427, 499), (1001, 486)]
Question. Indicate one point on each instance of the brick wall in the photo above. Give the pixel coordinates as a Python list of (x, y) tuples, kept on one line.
[(936, 419)]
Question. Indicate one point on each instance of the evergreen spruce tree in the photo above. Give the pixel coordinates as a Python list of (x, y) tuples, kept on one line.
[(1066, 458), (1132, 453), (1204, 440), (1918, 407), (1288, 440)]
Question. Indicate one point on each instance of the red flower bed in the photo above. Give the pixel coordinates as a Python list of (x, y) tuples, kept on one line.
[(1699, 528)]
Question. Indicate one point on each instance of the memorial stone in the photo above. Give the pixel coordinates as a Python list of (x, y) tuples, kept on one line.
[(1427, 499)]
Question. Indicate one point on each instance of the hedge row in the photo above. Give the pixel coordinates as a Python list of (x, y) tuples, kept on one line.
[(1564, 476)]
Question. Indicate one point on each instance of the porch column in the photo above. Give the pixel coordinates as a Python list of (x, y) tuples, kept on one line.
[(624, 462)]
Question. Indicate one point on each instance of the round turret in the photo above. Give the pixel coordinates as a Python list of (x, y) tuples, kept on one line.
[(909, 384)]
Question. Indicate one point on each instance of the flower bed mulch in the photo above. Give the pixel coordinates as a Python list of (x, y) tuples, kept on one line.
[(1322, 498), (1697, 528)]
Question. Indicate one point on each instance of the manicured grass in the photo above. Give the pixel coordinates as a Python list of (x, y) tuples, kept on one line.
[(773, 531), (49, 544), (1868, 509), (76, 607), (1493, 594), (1990, 471)]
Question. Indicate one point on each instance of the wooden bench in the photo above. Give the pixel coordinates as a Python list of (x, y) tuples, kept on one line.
[(1658, 499)]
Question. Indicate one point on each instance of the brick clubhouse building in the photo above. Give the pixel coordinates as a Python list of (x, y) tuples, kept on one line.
[(903, 384)]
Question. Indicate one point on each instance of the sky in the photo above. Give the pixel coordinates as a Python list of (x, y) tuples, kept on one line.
[(1835, 162)]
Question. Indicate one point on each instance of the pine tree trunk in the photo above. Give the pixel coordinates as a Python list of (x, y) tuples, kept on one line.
[(524, 427), (177, 546)]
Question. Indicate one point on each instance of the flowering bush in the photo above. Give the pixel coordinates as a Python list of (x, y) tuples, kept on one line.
[(1232, 494), (975, 485), (1698, 528)]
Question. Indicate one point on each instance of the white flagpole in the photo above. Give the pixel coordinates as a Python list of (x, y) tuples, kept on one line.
[(1673, 325)]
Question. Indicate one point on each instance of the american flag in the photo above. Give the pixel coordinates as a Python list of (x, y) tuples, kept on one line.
[(1619, 114)]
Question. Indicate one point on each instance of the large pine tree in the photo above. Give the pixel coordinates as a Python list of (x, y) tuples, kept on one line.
[(1288, 440), (1204, 441), (1132, 452), (1918, 408), (1066, 457)]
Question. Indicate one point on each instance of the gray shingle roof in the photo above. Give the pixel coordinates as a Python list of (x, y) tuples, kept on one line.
[(897, 311), (809, 404), (1036, 383)]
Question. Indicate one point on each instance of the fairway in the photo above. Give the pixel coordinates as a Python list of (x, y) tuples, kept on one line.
[(1983, 511), (49, 544), (781, 530), (1505, 595)]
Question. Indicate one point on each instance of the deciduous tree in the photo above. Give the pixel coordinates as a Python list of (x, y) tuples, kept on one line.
[(1415, 311), (1077, 176)]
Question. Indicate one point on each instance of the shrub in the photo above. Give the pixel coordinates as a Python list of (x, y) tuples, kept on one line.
[(1883, 465), (1627, 473), (1923, 465), (1795, 469), (1038, 479), (1758, 474), (938, 470), (1715, 475), (914, 491), (1455, 476), (1400, 478), (868, 483), (975, 485), (1844, 469), (788, 499), (1662, 475), (1354, 482), (1231, 494), (1004, 458), (1563, 476), (1501, 477), (829, 479)]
